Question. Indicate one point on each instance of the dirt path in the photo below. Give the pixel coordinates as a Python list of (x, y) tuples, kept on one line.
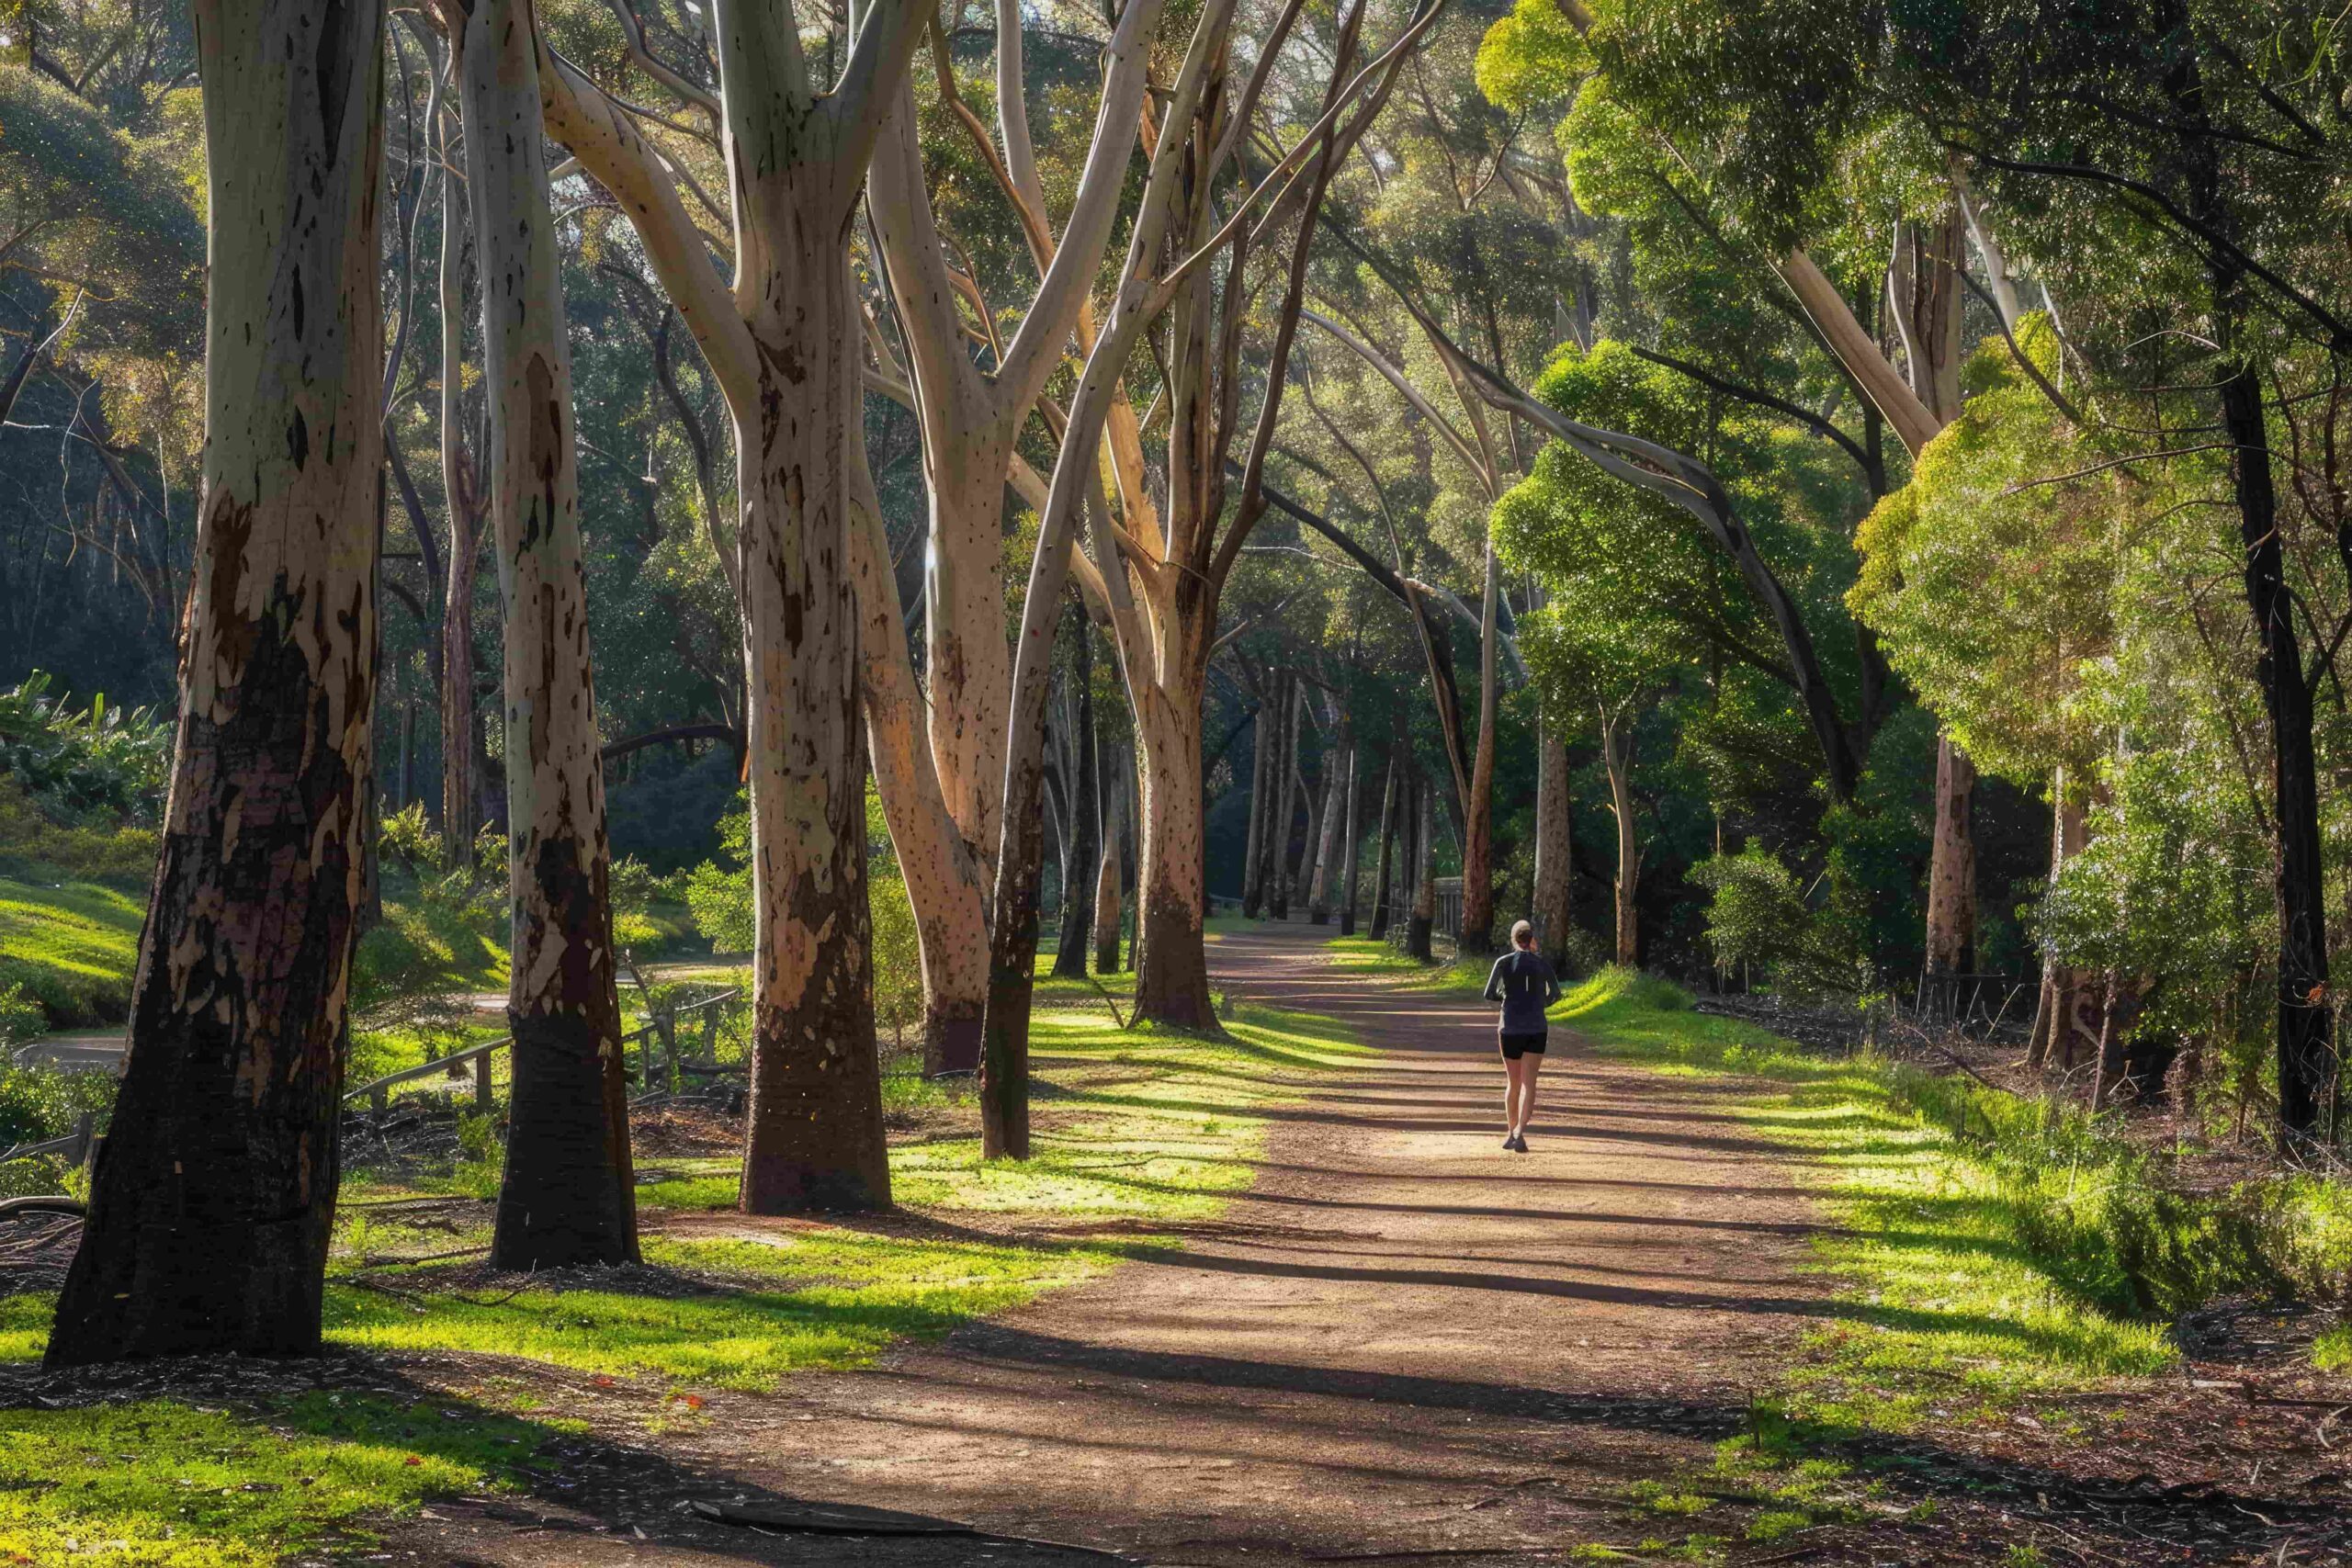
[(1404, 1340)]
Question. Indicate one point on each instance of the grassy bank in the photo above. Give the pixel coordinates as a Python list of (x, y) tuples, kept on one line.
[(1137, 1131), (70, 944), (1989, 1246)]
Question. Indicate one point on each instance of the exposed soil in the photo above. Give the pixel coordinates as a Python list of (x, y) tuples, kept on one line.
[(1405, 1343)]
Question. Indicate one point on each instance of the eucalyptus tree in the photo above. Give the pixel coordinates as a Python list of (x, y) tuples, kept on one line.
[(465, 510), (213, 1198), (567, 1197), (1188, 256), (101, 293), (2161, 167), (1634, 77), (784, 345), (970, 419)]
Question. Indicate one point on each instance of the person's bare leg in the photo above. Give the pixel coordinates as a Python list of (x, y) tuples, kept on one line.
[(1531, 1065), (1511, 1070)]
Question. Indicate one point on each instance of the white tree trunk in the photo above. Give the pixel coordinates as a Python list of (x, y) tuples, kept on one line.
[(944, 883), (1340, 764), (813, 1132), (567, 1197)]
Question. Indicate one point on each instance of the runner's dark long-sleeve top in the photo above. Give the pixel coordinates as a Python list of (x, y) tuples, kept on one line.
[(1524, 983)]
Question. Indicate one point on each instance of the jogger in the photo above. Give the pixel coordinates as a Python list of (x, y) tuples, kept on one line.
[(1525, 986)]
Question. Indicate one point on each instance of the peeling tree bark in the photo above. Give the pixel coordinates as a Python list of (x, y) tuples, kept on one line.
[(813, 1132), (213, 1196), (942, 878), (783, 347), (568, 1198)]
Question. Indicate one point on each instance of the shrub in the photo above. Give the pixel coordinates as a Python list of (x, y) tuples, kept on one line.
[(21, 1016), (1759, 918), (719, 893), (96, 765), (32, 845), (41, 1101)]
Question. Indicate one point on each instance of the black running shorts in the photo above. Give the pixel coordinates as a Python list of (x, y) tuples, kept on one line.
[(1517, 1046)]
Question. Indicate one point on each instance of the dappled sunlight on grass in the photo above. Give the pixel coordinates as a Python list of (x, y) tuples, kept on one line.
[(156, 1482), (1135, 1128), (72, 943), (727, 1312), (1362, 955), (1982, 1270)]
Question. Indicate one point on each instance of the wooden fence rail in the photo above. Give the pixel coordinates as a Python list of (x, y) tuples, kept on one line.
[(661, 1027), (75, 1146)]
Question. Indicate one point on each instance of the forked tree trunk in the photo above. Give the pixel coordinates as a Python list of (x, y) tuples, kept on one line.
[(1350, 849), (1424, 916), (213, 1196), (1616, 756), (942, 878), (568, 1198), (783, 344), (1551, 910), (813, 1132), (1382, 900), (1082, 849)]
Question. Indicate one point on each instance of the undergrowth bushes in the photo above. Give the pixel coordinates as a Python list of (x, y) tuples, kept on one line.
[(2101, 1219)]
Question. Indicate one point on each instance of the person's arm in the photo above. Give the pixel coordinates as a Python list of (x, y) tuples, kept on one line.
[(1495, 980), (1552, 992)]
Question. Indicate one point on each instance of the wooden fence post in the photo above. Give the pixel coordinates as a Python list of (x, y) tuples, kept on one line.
[(481, 1079)]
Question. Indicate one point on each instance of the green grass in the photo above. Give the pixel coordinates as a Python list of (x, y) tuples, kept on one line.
[(1136, 1124), (1974, 1269), (1987, 1246), (73, 944), (1134, 1129), (739, 1313), (157, 1483)]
